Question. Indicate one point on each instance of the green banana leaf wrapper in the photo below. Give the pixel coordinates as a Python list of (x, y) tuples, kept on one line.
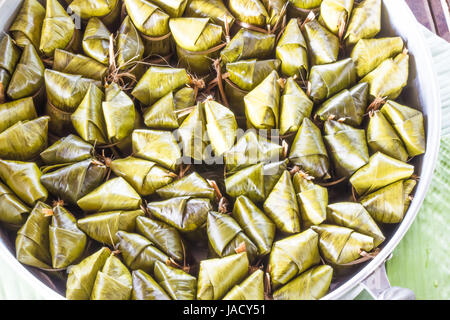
[(138, 252), (218, 276), (24, 140), (88, 119), (221, 127), (177, 283), (192, 185), (308, 151), (251, 288), (365, 21), (68, 62), (306, 4), (389, 78), (328, 79), (347, 147), (130, 46), (276, 10), (146, 288), (23, 178), (194, 37), (146, 177), (115, 194), (248, 44), (259, 228), (323, 45), (354, 216), (81, 277), (251, 149), (183, 213), (103, 227), (213, 9), (408, 123), (113, 282), (226, 237), (310, 285), (32, 241), (293, 255), (382, 137), (341, 245), (68, 150), (58, 29), (292, 51), (67, 241), (312, 200), (96, 41), (119, 113), (158, 146), (162, 114), (348, 106), (193, 136), (380, 171), (163, 236), (262, 104), (159, 81), (335, 13), (251, 12), (9, 57), (148, 18), (247, 182), (389, 204), (12, 210), (26, 28), (74, 181), (28, 76), (370, 53), (281, 205), (107, 10), (272, 172), (295, 106)]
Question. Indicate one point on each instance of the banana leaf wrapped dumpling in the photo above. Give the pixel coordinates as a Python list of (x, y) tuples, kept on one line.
[(353, 215), (408, 123), (293, 255), (192, 185), (248, 182), (382, 137), (389, 204), (335, 14), (213, 9), (138, 252), (113, 282), (308, 151), (328, 79), (281, 205), (12, 210), (323, 45), (58, 29), (82, 276), (259, 228), (32, 241), (68, 62), (146, 288), (251, 288), (148, 18), (226, 237), (146, 177), (251, 12), (341, 245), (177, 283), (295, 106), (217, 276), (26, 28), (96, 41), (365, 21), (310, 285), (23, 178), (115, 194), (107, 10), (103, 227), (24, 140), (69, 149), (192, 135), (347, 147), (130, 46), (262, 104), (163, 236), (380, 171), (9, 56), (67, 241), (28, 76), (15, 111)]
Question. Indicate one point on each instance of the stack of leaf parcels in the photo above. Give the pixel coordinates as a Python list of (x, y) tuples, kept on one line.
[(203, 149)]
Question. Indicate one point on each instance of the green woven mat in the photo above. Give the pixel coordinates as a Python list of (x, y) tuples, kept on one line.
[(421, 261)]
